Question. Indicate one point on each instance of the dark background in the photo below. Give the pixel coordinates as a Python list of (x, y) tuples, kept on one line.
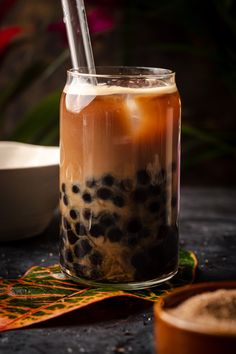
[(196, 39)]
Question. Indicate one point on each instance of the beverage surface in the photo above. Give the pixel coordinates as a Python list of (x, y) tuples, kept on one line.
[(119, 181)]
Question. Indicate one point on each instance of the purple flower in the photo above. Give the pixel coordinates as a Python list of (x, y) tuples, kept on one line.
[(99, 20)]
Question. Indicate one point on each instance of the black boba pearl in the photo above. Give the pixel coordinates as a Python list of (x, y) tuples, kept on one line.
[(115, 234), (108, 180), (134, 225), (154, 189), (74, 214), (63, 187), (87, 197), (139, 195), (91, 183), (82, 249), (126, 184), (174, 201), (96, 230), (66, 224), (119, 201), (154, 207), (132, 241), (79, 269), (80, 229), (75, 188), (104, 193), (96, 258), (144, 233), (87, 213), (69, 256), (85, 246), (65, 200), (143, 177), (72, 238), (107, 219)]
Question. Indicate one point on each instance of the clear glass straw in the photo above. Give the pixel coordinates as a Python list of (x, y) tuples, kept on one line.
[(78, 35)]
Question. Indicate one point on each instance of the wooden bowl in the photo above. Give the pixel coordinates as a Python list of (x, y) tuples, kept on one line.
[(177, 336)]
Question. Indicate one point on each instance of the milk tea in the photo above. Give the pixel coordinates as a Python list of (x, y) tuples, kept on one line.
[(119, 181)]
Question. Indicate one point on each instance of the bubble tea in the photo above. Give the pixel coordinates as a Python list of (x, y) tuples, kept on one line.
[(119, 177)]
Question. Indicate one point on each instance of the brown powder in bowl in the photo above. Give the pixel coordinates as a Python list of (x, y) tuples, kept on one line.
[(212, 311)]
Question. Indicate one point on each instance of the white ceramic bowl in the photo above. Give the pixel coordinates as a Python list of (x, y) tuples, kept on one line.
[(28, 188)]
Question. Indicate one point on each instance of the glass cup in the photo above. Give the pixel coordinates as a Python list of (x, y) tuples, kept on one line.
[(119, 176)]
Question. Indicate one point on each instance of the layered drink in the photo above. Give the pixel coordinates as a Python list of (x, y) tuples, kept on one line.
[(119, 177)]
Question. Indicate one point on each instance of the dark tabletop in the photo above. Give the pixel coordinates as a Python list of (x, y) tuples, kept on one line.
[(123, 325)]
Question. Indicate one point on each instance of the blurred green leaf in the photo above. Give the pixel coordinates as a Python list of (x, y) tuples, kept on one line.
[(209, 139), (20, 84), (40, 125)]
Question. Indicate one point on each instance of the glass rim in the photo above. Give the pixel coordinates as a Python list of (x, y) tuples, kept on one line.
[(148, 72)]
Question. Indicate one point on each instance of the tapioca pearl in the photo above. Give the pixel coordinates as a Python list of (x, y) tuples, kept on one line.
[(126, 184), (82, 249), (107, 219), (91, 183), (143, 177), (116, 217), (87, 214), (86, 246), (132, 240), (144, 233), (104, 193), (154, 190), (69, 256), (97, 230), (139, 195), (115, 234), (96, 258), (74, 214), (65, 200), (75, 188), (63, 187), (79, 269), (80, 229), (174, 201), (66, 224), (134, 225), (108, 180), (118, 201), (72, 237), (87, 197), (154, 207)]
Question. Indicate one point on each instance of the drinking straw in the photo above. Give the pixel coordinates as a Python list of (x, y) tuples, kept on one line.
[(78, 35)]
